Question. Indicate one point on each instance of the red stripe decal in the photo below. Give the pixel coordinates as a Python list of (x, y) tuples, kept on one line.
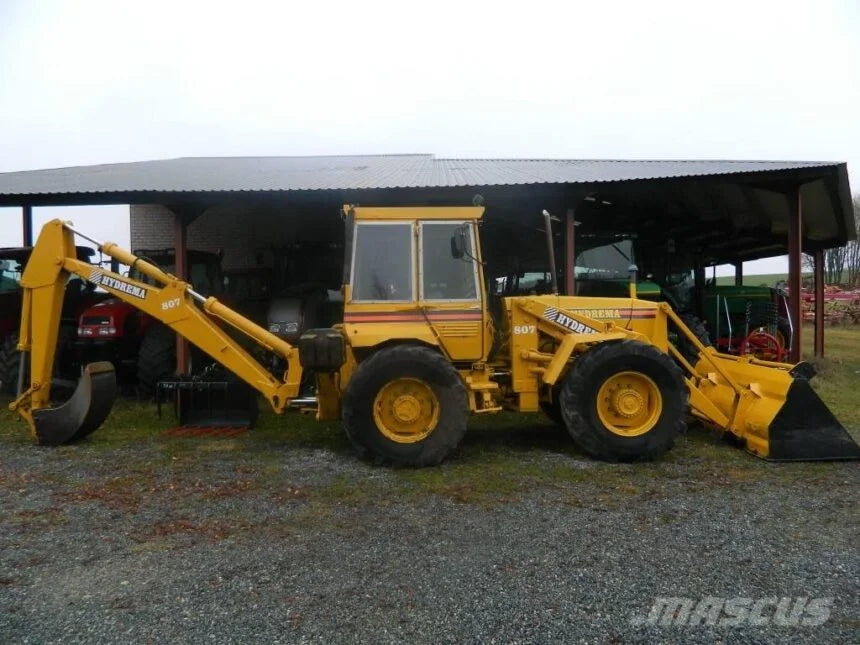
[(454, 316), (383, 319), (413, 316)]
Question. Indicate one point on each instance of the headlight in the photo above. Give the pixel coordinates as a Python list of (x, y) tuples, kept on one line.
[(284, 327), (107, 331)]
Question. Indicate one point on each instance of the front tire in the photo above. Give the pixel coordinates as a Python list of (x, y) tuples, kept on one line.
[(552, 409), (405, 406), (624, 401)]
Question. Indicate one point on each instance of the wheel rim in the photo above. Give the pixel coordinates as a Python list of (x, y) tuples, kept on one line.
[(629, 404), (406, 410), (782, 344), (763, 345)]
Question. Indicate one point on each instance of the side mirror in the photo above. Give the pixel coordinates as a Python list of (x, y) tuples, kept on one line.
[(458, 245)]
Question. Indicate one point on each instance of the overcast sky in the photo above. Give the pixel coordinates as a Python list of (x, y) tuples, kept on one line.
[(89, 82)]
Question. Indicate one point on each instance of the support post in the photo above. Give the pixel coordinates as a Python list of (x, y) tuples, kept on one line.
[(570, 253), (27, 225), (739, 274), (181, 251), (819, 303), (795, 234)]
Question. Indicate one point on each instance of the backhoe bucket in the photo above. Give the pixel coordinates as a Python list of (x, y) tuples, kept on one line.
[(778, 415), (83, 413)]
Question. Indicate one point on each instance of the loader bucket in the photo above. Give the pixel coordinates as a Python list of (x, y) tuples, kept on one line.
[(805, 429), (778, 415), (83, 413)]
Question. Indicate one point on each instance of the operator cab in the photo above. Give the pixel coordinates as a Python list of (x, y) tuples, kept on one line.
[(385, 266), (418, 267)]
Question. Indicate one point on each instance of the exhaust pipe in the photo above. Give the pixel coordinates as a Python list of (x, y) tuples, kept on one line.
[(547, 218)]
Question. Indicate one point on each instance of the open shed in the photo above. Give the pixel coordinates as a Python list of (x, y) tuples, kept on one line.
[(718, 212)]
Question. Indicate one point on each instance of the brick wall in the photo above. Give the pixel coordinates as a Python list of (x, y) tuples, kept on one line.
[(151, 227), (245, 234)]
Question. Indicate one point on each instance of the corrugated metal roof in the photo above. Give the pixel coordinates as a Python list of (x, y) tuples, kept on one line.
[(206, 174)]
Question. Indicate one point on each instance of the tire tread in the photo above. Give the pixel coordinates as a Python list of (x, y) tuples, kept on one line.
[(575, 387), (10, 358), (156, 358), (359, 394)]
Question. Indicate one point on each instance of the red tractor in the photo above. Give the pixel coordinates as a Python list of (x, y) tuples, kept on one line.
[(80, 295), (142, 350)]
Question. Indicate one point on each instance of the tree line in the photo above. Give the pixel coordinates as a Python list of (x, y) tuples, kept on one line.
[(842, 264)]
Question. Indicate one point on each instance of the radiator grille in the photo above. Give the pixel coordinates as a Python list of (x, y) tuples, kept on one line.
[(458, 328)]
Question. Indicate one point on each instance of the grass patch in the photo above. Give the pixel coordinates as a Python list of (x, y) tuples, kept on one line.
[(838, 376), (759, 279)]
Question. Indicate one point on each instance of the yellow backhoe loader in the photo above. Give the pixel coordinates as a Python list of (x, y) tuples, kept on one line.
[(419, 349)]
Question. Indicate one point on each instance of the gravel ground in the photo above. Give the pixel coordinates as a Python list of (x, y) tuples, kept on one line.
[(224, 541)]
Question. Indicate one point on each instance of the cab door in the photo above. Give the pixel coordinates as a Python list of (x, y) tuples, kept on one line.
[(450, 293)]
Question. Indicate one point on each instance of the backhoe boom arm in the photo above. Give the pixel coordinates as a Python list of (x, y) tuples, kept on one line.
[(170, 301)]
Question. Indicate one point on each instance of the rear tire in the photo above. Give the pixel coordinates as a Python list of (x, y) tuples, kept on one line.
[(65, 369), (405, 406), (156, 359), (10, 359), (687, 349), (624, 401)]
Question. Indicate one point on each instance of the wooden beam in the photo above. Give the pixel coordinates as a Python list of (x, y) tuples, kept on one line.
[(795, 269), (27, 225), (819, 303), (570, 253)]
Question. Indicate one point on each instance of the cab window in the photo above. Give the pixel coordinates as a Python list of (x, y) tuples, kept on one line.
[(443, 276), (607, 262), (382, 262)]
